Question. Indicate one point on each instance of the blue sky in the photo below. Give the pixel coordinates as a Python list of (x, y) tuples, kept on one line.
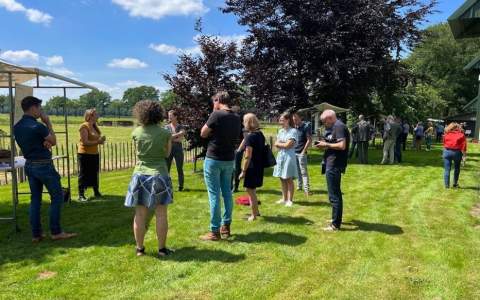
[(116, 44)]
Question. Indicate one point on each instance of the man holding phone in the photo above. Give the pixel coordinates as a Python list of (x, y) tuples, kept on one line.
[(35, 140), (335, 143)]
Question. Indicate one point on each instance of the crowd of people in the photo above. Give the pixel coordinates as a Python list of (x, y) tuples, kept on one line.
[(237, 150)]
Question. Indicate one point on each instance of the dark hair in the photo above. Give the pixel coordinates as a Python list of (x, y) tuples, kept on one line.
[(29, 102), (223, 97), (289, 116), (148, 112)]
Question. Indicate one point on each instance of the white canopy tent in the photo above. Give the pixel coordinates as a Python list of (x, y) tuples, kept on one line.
[(13, 76)]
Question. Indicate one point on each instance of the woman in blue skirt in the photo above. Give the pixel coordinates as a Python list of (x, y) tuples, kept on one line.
[(151, 186), (286, 168)]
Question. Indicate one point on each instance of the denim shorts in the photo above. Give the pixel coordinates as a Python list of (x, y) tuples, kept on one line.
[(149, 191)]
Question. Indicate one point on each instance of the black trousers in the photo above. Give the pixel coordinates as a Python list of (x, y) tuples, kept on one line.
[(334, 179), (238, 169), (89, 167)]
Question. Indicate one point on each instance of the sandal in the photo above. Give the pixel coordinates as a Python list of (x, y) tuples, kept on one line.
[(165, 252), (140, 251)]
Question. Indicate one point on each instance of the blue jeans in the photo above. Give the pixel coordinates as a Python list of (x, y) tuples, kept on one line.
[(448, 157), (218, 176), (334, 178), (39, 175)]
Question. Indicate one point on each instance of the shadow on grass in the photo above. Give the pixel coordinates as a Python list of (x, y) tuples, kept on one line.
[(288, 220), (103, 223), (373, 227), (473, 188), (189, 254), (282, 238), (312, 204)]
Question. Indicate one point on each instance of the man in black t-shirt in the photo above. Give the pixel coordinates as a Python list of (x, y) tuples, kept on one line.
[(335, 143), (222, 129)]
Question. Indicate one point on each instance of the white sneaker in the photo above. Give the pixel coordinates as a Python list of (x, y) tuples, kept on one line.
[(281, 201), (288, 203)]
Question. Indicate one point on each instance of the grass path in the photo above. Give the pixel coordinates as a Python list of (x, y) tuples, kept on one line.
[(405, 237)]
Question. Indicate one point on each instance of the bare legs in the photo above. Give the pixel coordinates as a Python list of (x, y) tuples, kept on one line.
[(287, 189), (252, 193), (139, 225)]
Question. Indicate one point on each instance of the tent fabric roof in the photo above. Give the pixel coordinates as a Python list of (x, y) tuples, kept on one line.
[(324, 106), (22, 75), (465, 21)]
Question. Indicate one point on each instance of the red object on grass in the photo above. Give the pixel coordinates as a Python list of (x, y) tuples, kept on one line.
[(243, 200)]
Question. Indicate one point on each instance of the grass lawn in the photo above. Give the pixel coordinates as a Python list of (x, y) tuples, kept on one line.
[(404, 237)]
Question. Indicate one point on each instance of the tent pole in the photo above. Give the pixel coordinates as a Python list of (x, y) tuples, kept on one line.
[(65, 114), (13, 153)]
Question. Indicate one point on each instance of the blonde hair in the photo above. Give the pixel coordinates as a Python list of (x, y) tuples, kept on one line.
[(453, 127), (88, 114), (251, 122)]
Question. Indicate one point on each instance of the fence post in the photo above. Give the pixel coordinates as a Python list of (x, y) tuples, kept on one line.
[(116, 157)]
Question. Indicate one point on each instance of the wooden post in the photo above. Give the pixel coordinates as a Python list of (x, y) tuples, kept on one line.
[(63, 160), (116, 157)]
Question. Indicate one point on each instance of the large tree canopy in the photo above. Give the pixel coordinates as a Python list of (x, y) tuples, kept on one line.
[(438, 62), (133, 95), (302, 52), (198, 78)]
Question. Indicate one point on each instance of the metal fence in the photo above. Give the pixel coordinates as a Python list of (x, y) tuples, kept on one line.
[(113, 157)]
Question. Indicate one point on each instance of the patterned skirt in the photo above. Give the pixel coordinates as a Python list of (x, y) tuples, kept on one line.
[(149, 191)]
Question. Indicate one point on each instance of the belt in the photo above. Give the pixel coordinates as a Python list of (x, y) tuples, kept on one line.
[(450, 149)]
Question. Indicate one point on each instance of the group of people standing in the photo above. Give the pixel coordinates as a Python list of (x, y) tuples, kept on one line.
[(157, 146)]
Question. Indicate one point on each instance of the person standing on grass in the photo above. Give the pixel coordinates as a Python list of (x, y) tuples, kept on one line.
[(335, 143), (304, 135), (406, 131), (286, 167), (429, 136), (418, 134), (253, 165), (88, 155), (364, 132), (389, 140), (150, 186), (239, 152), (35, 141), (455, 148), (222, 129), (439, 129), (178, 133), (398, 142)]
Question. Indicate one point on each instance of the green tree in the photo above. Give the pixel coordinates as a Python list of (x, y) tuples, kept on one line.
[(95, 99), (55, 105), (136, 94), (118, 108), (169, 99), (438, 61), (4, 103)]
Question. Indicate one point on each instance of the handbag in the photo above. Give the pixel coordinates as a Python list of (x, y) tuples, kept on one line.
[(268, 157)]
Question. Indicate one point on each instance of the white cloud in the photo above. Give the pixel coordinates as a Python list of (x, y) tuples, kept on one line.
[(194, 50), (33, 15), (157, 9), (19, 56), (116, 90), (164, 49), (127, 63), (172, 50), (55, 60)]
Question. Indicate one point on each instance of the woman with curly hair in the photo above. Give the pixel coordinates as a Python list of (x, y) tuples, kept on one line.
[(150, 186), (454, 148)]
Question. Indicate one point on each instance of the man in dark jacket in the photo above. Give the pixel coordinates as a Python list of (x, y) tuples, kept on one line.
[(364, 132)]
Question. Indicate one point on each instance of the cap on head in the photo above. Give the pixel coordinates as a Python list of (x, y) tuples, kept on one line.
[(29, 102)]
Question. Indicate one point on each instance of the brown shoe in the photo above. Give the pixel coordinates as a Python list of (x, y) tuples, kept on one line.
[(38, 239), (211, 236), (63, 236), (225, 231)]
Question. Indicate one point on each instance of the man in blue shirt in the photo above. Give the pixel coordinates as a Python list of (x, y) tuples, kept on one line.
[(35, 140)]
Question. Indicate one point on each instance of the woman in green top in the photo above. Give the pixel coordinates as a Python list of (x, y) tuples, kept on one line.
[(150, 186)]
